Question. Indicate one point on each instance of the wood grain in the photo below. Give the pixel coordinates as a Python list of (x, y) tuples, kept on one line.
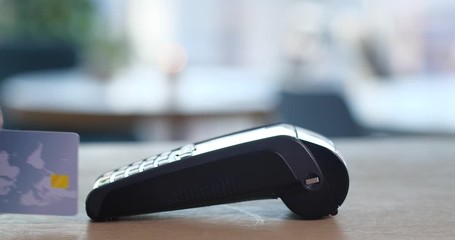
[(401, 188)]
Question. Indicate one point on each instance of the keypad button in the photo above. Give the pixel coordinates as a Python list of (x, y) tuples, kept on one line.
[(161, 160), (165, 154), (151, 162), (132, 168), (185, 151), (146, 165), (188, 148), (103, 180), (119, 174)]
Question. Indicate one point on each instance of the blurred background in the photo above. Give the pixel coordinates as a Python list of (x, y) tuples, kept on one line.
[(118, 70)]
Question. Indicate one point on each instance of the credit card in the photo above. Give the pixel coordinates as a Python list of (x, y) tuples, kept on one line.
[(38, 172)]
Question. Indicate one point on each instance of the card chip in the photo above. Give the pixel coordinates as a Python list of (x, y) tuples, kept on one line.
[(59, 181)]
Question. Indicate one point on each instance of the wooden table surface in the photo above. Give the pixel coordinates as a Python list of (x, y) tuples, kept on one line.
[(401, 188)]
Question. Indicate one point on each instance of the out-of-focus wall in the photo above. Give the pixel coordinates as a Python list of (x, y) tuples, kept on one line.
[(240, 58)]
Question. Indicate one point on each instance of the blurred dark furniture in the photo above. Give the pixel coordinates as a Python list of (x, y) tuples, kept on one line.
[(325, 112), (27, 56), (22, 56)]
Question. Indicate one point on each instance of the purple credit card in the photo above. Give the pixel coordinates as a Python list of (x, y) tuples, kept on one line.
[(38, 172)]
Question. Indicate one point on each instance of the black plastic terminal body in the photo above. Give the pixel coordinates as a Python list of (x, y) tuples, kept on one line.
[(310, 179)]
